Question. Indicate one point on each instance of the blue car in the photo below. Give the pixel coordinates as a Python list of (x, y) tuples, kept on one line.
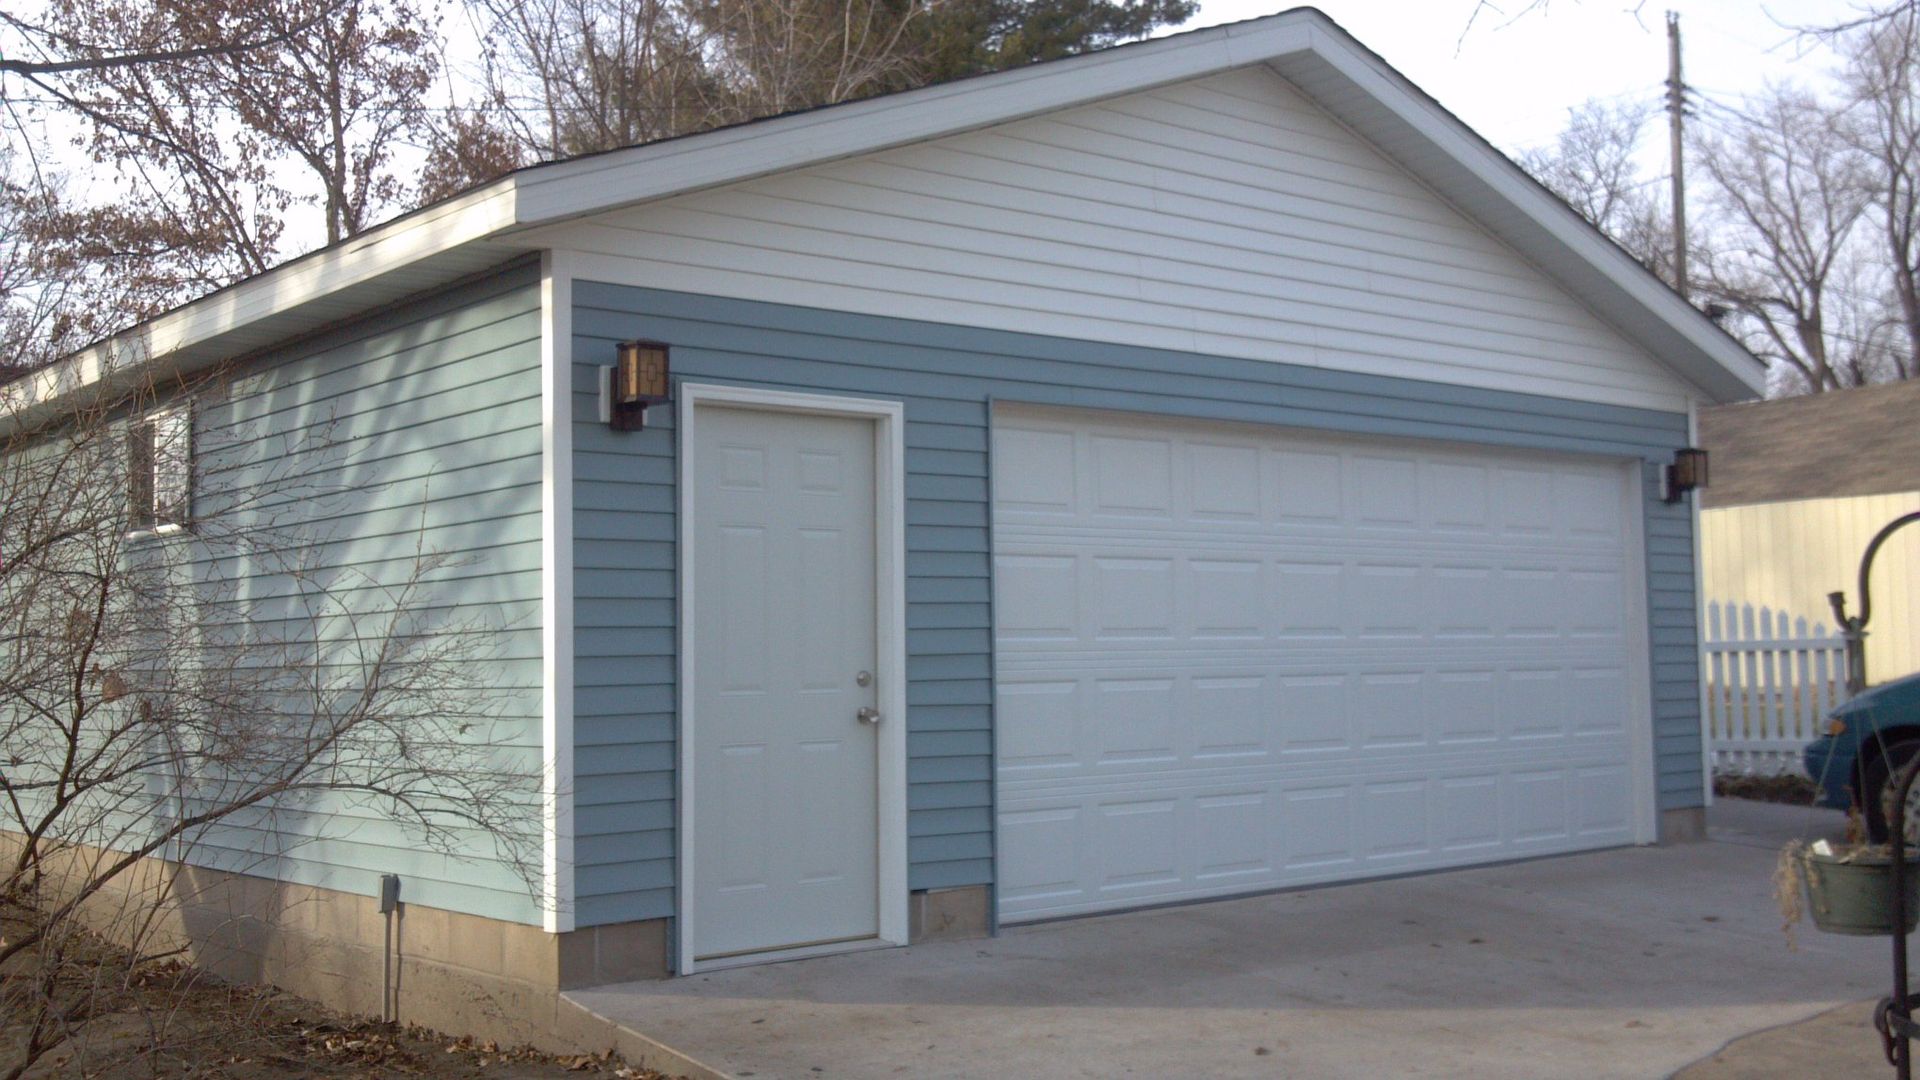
[(1869, 738)]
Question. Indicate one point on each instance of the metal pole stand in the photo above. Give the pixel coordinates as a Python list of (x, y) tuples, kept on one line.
[(1893, 1017)]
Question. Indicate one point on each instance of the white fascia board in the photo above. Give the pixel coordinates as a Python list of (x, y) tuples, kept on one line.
[(1730, 372), (117, 361), (583, 186), (1687, 341), (1293, 42)]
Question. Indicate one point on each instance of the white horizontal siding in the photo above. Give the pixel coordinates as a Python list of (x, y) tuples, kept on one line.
[(1227, 215)]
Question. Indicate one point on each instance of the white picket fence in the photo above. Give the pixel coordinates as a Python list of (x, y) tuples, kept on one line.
[(1770, 682)]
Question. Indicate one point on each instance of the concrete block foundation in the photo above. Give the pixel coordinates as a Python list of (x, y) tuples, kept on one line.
[(1683, 826), (940, 914), (456, 973)]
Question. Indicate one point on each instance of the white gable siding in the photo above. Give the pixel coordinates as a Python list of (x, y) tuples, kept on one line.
[(1227, 215)]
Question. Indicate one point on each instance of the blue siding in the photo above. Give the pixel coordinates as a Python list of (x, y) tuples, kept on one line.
[(948, 377), (426, 420)]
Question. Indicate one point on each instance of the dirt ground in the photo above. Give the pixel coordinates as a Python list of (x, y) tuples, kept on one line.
[(1795, 790), (169, 1020)]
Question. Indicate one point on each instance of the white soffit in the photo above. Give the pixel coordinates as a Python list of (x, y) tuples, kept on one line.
[(480, 229)]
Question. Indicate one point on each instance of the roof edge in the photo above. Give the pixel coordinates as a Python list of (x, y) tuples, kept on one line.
[(553, 193), (550, 193), (120, 362), (1736, 374)]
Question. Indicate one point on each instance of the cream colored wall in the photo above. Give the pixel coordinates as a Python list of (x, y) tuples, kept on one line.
[(1790, 555)]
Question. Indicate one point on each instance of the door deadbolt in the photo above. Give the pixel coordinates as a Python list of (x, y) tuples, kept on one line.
[(865, 678)]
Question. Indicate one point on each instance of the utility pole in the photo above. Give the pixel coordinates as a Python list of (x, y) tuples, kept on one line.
[(1676, 111)]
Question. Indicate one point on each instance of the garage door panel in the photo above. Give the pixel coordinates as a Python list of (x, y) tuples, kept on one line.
[(1130, 598), (1231, 659), (1601, 806), (1230, 831), (1226, 716), (1225, 599), (1043, 484), (1393, 819), (1136, 843), (1469, 813), (1040, 725), (1391, 709), (1465, 707), (1458, 499), (1313, 713), (1038, 598), (1384, 491), (1131, 721), (1195, 600), (1307, 488), (1223, 482), (1317, 827), (1031, 873)]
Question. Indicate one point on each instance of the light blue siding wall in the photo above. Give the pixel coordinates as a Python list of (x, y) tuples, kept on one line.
[(423, 424), (1675, 637), (947, 377)]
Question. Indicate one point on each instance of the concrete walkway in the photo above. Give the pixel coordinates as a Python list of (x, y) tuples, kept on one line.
[(1627, 963), (1837, 1043)]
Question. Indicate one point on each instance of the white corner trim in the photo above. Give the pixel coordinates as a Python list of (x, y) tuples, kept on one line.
[(556, 590), (1700, 618), (890, 639), (1642, 739)]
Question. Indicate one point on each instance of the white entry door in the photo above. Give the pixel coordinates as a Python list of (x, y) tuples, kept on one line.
[(782, 614), (1233, 658)]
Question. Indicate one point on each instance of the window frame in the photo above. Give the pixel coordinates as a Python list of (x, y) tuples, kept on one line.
[(160, 471)]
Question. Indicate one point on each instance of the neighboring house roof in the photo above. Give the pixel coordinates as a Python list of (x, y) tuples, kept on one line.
[(1843, 442), (489, 225)]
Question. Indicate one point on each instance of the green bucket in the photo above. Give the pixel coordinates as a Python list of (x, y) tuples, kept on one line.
[(1856, 896)]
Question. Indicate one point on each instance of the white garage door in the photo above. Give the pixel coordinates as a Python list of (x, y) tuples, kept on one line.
[(1231, 658)]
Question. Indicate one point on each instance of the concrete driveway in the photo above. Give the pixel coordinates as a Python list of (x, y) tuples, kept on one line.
[(1629, 963)]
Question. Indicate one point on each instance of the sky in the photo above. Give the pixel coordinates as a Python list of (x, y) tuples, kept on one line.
[(1513, 76)]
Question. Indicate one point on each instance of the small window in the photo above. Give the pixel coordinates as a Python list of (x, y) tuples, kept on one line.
[(160, 469)]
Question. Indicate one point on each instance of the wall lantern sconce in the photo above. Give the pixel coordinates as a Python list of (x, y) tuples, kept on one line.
[(1688, 471), (636, 380)]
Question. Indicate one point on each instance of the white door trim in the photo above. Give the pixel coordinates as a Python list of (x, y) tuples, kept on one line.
[(890, 626)]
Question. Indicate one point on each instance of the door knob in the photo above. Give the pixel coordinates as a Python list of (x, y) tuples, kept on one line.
[(868, 715)]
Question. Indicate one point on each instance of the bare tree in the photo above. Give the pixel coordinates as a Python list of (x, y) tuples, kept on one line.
[(189, 676), (336, 97), (578, 76), (1787, 193), (1882, 81), (1593, 165), (775, 56), (212, 125), (469, 146), (570, 77)]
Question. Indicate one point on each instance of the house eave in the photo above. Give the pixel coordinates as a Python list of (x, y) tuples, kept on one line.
[(431, 247), (1381, 105), (493, 224)]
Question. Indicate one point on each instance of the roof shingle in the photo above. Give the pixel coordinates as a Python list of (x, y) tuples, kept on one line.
[(1864, 441)]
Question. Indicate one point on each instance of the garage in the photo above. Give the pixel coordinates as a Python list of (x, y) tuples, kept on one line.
[(1231, 658)]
